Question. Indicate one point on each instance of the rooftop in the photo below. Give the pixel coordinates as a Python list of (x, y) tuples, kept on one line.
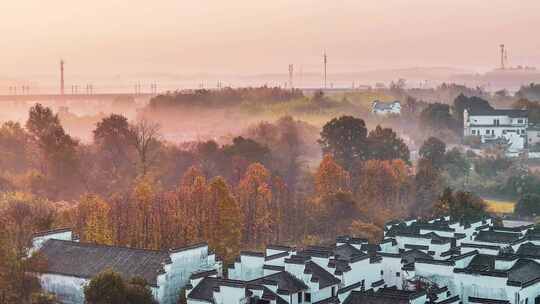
[(86, 260)]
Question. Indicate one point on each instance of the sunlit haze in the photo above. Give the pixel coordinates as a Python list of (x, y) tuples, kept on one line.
[(117, 37)]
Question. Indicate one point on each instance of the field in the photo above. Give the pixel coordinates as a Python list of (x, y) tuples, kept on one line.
[(498, 206)]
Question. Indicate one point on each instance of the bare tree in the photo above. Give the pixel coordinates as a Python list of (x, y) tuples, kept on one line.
[(146, 139)]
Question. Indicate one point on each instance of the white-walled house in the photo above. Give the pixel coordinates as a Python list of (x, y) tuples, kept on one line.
[(346, 272), (496, 124), (70, 265), (386, 108)]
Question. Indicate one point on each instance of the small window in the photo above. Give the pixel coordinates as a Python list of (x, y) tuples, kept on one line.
[(487, 132), (448, 293), (333, 291), (382, 272), (307, 297), (473, 132), (520, 121), (397, 274), (299, 297)]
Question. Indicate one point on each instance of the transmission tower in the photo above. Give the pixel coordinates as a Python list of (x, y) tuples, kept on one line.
[(325, 58), (291, 73)]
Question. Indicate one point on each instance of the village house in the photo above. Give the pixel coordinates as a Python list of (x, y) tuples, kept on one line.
[(351, 271), (497, 125), (70, 265), (438, 261), (386, 108)]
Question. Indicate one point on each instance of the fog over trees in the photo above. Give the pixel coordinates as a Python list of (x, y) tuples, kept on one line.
[(305, 169)]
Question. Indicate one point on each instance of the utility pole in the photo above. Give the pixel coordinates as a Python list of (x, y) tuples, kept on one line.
[(325, 63), (291, 72), (62, 77), (502, 56)]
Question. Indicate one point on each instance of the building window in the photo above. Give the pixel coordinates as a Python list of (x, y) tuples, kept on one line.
[(307, 296), (520, 121), (333, 291), (382, 272), (496, 122), (299, 297), (473, 132), (487, 132), (397, 274)]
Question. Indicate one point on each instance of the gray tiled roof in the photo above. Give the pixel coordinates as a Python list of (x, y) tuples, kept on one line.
[(86, 260)]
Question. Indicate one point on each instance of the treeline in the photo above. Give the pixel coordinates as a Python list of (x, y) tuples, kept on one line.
[(224, 97)]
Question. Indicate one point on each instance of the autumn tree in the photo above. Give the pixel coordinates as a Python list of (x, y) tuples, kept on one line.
[(460, 204), (20, 216), (142, 214), (428, 186), (15, 148), (369, 231), (226, 234), (93, 220), (58, 149), (254, 197), (194, 193), (384, 144), (331, 178), (433, 150), (333, 202), (384, 190), (107, 287), (146, 139), (345, 138), (114, 138)]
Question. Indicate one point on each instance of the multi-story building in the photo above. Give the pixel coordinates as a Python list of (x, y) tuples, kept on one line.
[(492, 125)]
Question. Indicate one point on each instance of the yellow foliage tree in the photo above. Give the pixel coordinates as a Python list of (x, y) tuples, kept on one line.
[(255, 196), (93, 220), (226, 234)]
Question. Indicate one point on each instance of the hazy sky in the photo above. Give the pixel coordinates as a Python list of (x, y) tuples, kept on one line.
[(256, 36)]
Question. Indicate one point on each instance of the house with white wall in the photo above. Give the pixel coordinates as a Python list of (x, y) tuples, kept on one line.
[(386, 108), (70, 265), (492, 125)]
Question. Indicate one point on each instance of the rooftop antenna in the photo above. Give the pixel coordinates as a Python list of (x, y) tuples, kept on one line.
[(62, 77), (503, 52), (325, 63)]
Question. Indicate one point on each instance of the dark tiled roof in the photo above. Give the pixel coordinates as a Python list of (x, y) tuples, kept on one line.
[(497, 237), (279, 247), (274, 267), (451, 300), (332, 300), (506, 112), (318, 274), (482, 262), (347, 251), (87, 260), (286, 282), (204, 290), (524, 271), (252, 254), (410, 256), (529, 250), (487, 301), (382, 296)]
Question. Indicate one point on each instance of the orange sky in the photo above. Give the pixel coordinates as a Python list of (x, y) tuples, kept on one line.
[(256, 36)]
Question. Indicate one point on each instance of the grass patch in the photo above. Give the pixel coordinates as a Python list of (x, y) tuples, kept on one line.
[(496, 206)]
